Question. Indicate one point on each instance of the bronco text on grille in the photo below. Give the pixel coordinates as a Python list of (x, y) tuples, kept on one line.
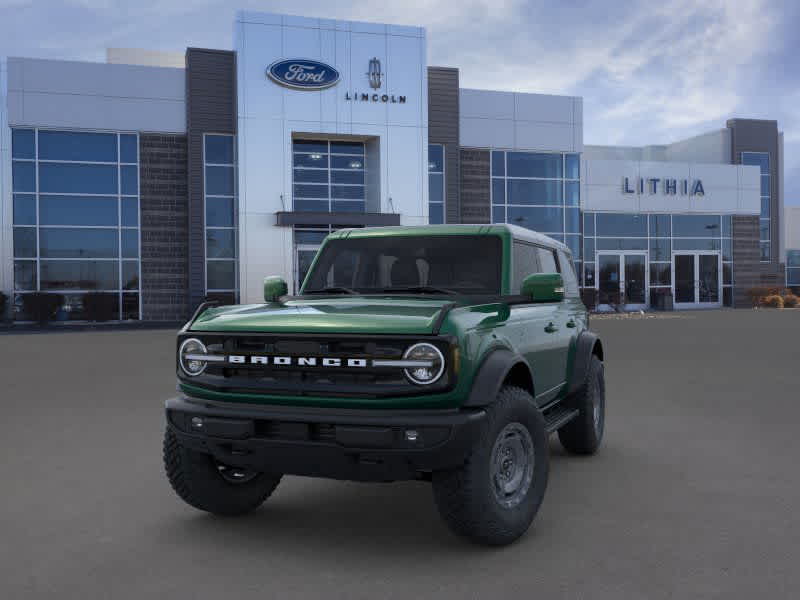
[(297, 366)]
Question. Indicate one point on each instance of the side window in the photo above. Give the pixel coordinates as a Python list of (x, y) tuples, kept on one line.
[(568, 273), (525, 262), (547, 260)]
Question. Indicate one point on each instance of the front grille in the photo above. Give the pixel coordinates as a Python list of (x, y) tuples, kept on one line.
[(294, 379), (299, 347)]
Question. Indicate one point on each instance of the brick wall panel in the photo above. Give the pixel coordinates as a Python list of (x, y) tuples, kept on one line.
[(475, 199), (164, 227)]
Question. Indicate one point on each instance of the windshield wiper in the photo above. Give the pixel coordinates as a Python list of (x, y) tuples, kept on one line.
[(332, 290), (419, 289)]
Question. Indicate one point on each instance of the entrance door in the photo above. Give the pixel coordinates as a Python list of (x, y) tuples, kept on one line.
[(697, 279), (622, 280)]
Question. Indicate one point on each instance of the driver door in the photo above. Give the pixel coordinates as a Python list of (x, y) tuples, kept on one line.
[(540, 330)]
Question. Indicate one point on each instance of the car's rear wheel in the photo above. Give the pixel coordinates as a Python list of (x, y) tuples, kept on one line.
[(584, 434), (493, 498), (209, 485)]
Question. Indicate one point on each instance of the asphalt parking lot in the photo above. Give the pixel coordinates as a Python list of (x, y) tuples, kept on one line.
[(695, 494)]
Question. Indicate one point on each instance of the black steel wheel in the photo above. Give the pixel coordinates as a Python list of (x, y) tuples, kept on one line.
[(493, 497)]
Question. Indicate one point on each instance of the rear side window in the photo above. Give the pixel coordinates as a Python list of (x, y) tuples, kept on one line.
[(547, 260), (526, 261), (568, 273)]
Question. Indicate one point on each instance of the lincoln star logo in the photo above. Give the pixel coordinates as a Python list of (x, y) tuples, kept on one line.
[(374, 74), (303, 74)]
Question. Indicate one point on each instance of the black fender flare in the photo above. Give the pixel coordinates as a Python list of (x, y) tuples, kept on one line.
[(491, 374), (587, 345)]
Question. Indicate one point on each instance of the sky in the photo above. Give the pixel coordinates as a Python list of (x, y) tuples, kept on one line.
[(649, 72)]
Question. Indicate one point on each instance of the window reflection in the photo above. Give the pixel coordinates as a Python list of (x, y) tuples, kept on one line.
[(88, 219), (436, 183), (220, 213), (327, 173), (660, 235)]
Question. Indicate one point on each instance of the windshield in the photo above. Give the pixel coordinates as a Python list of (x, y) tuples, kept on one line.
[(445, 264)]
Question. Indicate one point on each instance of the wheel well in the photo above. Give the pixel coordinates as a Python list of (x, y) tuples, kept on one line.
[(597, 349), (520, 376)]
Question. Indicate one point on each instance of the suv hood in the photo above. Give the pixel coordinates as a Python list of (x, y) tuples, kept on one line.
[(327, 315)]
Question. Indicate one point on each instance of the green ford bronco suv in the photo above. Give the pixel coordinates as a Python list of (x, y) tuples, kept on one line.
[(441, 353)]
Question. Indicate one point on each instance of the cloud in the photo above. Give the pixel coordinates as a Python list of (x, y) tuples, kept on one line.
[(649, 72)]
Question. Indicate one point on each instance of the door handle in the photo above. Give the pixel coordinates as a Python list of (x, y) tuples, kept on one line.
[(571, 323), (551, 328)]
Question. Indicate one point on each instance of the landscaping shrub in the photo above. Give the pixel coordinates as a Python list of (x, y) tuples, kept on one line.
[(759, 295), (99, 306), (790, 301), (41, 306), (773, 301)]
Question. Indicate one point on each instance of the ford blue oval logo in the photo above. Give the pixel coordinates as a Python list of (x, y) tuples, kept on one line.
[(303, 74)]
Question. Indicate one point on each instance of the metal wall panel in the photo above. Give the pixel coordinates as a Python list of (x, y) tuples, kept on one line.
[(755, 135), (443, 128), (85, 95), (210, 108)]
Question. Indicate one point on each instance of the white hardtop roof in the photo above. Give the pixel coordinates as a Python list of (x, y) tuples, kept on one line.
[(520, 233)]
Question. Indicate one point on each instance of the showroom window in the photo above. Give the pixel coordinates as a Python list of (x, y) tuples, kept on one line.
[(328, 176), (76, 221), (540, 191), (793, 268), (658, 235), (219, 157), (761, 160), (436, 183)]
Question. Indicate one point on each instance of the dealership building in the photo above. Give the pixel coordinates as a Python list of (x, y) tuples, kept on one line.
[(166, 179)]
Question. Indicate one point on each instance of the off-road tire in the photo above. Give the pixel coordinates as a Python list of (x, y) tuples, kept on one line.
[(195, 477), (583, 435), (465, 496)]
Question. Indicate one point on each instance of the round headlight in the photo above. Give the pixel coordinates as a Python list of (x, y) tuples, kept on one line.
[(431, 364), (190, 357)]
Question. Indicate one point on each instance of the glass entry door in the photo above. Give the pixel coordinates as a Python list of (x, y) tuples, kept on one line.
[(622, 280), (697, 279)]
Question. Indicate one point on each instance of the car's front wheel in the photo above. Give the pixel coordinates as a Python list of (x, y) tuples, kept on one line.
[(208, 485), (493, 498)]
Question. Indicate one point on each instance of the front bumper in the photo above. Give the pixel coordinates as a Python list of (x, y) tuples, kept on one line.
[(361, 445)]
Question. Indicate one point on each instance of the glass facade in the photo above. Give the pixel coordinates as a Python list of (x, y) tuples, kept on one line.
[(659, 236), (221, 223), (435, 183), (793, 268), (761, 160), (76, 220), (540, 191), (76, 216), (328, 176)]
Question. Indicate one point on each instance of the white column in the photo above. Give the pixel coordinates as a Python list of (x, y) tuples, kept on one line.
[(6, 203)]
